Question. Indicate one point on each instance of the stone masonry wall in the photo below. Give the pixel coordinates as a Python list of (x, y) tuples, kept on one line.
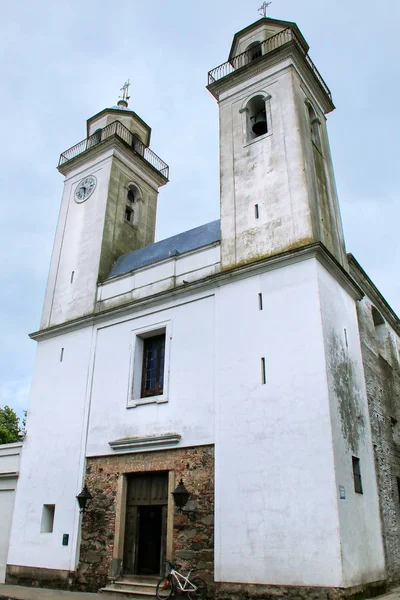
[(380, 351), (193, 540)]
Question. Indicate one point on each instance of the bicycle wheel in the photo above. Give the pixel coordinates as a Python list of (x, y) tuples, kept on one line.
[(201, 592), (165, 588)]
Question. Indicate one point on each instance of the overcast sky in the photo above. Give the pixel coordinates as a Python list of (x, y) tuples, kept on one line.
[(65, 61)]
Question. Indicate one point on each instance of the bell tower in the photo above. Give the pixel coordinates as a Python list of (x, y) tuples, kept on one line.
[(278, 189), (108, 208)]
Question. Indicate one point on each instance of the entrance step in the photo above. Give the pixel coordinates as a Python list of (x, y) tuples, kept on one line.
[(138, 587)]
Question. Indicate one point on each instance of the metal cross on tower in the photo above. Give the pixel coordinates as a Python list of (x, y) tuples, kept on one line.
[(263, 8), (124, 90)]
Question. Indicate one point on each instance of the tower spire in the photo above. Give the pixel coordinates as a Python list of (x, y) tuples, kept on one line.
[(123, 100)]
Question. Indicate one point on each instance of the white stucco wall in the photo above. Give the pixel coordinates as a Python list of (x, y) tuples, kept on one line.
[(188, 405), (9, 470), (52, 466), (276, 516), (360, 525)]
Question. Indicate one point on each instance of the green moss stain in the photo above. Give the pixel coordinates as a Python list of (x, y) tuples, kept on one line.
[(343, 375), (306, 241)]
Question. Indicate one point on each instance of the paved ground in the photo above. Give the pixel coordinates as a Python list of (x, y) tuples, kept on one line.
[(17, 592)]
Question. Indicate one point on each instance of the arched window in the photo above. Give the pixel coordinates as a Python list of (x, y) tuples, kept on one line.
[(131, 208), (256, 117), (254, 51), (314, 127)]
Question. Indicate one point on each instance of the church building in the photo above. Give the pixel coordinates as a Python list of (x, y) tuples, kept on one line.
[(251, 359)]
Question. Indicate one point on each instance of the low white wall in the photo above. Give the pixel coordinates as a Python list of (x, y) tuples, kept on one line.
[(9, 470), (159, 277), (53, 460)]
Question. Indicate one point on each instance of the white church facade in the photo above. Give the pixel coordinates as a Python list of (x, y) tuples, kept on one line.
[(250, 357)]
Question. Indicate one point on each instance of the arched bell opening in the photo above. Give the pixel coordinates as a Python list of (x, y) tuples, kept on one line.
[(257, 117), (131, 206), (254, 51)]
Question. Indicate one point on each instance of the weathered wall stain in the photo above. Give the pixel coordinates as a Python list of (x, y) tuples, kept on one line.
[(343, 374), (382, 376)]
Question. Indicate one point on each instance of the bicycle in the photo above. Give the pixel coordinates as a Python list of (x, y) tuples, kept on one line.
[(195, 588)]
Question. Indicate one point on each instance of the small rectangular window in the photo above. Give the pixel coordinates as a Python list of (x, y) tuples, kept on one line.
[(260, 301), (129, 214), (47, 518), (398, 487), (62, 355), (357, 475), (256, 211), (153, 366)]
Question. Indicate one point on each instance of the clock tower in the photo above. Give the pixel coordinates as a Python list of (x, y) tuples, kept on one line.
[(108, 208)]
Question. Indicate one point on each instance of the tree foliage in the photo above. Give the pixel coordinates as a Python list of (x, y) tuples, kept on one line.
[(9, 425)]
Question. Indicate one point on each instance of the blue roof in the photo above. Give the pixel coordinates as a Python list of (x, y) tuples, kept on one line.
[(173, 246)]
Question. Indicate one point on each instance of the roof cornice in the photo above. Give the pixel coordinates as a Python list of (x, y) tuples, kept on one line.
[(315, 250), (370, 290)]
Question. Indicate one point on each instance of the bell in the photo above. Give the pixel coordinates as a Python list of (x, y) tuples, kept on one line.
[(260, 123)]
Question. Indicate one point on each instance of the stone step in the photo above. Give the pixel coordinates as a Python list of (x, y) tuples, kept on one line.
[(121, 594), (113, 594), (140, 587), (136, 585)]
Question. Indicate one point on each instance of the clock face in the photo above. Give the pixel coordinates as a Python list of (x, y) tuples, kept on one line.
[(85, 188)]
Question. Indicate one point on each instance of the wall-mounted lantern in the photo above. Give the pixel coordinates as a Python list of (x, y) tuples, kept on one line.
[(181, 496), (83, 498)]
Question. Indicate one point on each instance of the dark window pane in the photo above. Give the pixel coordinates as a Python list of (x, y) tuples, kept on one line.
[(357, 475), (153, 366)]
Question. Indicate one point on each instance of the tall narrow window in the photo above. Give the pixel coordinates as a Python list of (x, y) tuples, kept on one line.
[(357, 475), (314, 128), (263, 371), (153, 366), (398, 487), (129, 214)]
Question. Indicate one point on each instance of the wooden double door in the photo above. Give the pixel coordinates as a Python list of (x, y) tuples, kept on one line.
[(146, 524)]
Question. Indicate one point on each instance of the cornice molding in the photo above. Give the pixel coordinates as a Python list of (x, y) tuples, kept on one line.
[(280, 54), (112, 143), (150, 442), (315, 250), (9, 475), (370, 290)]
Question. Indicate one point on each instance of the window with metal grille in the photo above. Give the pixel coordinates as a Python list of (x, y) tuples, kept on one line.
[(357, 475), (153, 366)]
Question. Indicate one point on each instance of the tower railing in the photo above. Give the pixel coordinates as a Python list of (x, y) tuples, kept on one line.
[(256, 53), (116, 129)]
